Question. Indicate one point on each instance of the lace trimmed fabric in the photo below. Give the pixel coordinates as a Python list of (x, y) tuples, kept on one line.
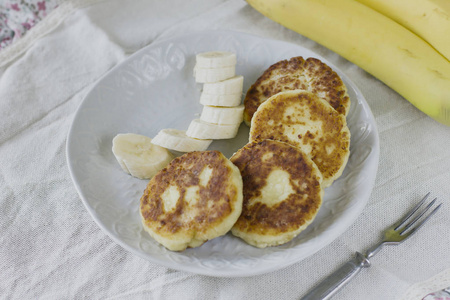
[(18, 16), (440, 295)]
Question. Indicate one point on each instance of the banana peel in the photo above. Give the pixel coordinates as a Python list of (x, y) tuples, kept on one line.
[(429, 19)]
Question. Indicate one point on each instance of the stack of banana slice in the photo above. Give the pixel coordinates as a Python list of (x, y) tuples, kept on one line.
[(221, 99), (222, 111), (221, 117)]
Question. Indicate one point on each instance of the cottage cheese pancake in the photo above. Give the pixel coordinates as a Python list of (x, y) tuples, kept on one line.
[(197, 197), (282, 192), (297, 73), (306, 121)]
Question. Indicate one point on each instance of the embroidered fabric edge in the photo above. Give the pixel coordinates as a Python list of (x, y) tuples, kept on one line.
[(45, 26)]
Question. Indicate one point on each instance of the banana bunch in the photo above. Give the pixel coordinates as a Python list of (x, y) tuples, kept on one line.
[(405, 44)]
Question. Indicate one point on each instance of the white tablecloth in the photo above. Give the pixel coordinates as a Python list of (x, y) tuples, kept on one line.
[(50, 247)]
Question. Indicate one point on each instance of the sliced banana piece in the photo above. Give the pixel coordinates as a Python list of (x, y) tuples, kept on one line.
[(233, 85), (177, 140), (204, 130), (223, 115), (220, 100), (138, 156), (207, 75), (215, 59)]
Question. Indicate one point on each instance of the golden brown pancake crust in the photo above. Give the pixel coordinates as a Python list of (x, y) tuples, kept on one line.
[(329, 145), (288, 215), (215, 202), (297, 73)]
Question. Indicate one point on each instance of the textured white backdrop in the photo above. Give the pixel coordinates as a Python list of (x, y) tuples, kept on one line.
[(51, 248)]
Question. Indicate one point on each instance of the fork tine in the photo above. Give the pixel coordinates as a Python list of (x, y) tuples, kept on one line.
[(419, 216), (423, 221), (402, 221)]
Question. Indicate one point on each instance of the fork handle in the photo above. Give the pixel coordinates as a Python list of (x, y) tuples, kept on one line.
[(330, 285)]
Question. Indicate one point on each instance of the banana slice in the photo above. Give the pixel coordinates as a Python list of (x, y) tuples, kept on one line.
[(207, 75), (223, 115), (177, 140), (221, 100), (138, 156), (215, 59), (233, 85), (204, 130)]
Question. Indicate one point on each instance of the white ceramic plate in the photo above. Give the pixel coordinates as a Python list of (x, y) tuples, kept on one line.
[(155, 89)]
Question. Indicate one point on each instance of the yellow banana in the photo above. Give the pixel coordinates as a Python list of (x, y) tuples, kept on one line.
[(429, 19), (379, 45)]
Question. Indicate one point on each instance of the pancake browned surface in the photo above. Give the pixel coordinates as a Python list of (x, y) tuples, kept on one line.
[(282, 192), (297, 73), (304, 120), (197, 197)]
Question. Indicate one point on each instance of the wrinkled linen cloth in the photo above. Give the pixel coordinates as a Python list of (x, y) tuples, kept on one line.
[(50, 247)]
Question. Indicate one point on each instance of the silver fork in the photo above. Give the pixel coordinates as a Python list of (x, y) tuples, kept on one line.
[(394, 235)]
